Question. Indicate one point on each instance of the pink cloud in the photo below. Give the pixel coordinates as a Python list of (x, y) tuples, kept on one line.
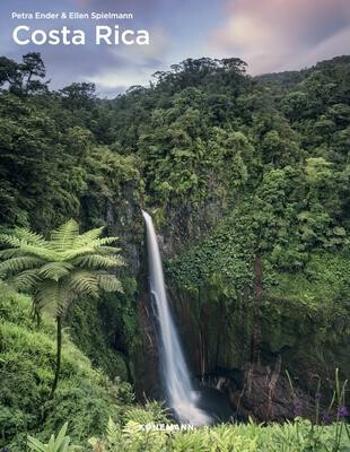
[(278, 34)]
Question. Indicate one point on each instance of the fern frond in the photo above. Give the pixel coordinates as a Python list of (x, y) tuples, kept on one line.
[(66, 296), (47, 297), (42, 253), (113, 433), (97, 261), (109, 283), (30, 237), (109, 249), (10, 239), (18, 264), (71, 254), (9, 252), (64, 237), (55, 270), (132, 430), (59, 444), (87, 237), (84, 283), (26, 280), (92, 248), (36, 445), (104, 241)]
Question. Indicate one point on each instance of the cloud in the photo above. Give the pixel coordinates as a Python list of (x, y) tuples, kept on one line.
[(141, 9), (130, 65), (274, 34)]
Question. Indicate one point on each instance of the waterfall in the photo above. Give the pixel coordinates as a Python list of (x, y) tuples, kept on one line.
[(182, 398)]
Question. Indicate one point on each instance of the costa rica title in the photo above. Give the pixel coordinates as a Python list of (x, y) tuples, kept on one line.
[(104, 35)]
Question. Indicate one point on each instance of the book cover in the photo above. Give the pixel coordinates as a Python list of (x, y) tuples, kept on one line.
[(174, 225)]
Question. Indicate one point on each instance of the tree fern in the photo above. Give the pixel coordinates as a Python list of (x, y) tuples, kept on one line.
[(61, 269)]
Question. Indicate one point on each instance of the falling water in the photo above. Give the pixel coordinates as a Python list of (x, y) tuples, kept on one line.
[(181, 395)]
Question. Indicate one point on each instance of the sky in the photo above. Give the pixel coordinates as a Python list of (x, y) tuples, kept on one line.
[(270, 35)]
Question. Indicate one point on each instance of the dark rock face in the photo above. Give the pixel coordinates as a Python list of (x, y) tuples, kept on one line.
[(124, 221), (188, 223), (147, 382), (217, 344), (261, 392)]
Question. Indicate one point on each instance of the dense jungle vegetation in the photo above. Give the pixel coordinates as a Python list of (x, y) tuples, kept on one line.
[(247, 179)]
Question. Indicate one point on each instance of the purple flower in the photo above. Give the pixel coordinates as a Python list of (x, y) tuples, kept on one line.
[(343, 411)]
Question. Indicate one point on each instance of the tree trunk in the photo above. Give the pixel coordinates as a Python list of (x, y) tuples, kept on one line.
[(58, 355)]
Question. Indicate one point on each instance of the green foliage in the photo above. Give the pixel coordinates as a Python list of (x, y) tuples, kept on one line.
[(59, 444), (61, 269), (290, 437), (223, 260), (97, 328), (84, 397)]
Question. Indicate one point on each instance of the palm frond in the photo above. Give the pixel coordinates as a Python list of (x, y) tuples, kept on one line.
[(64, 237), (109, 283)]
